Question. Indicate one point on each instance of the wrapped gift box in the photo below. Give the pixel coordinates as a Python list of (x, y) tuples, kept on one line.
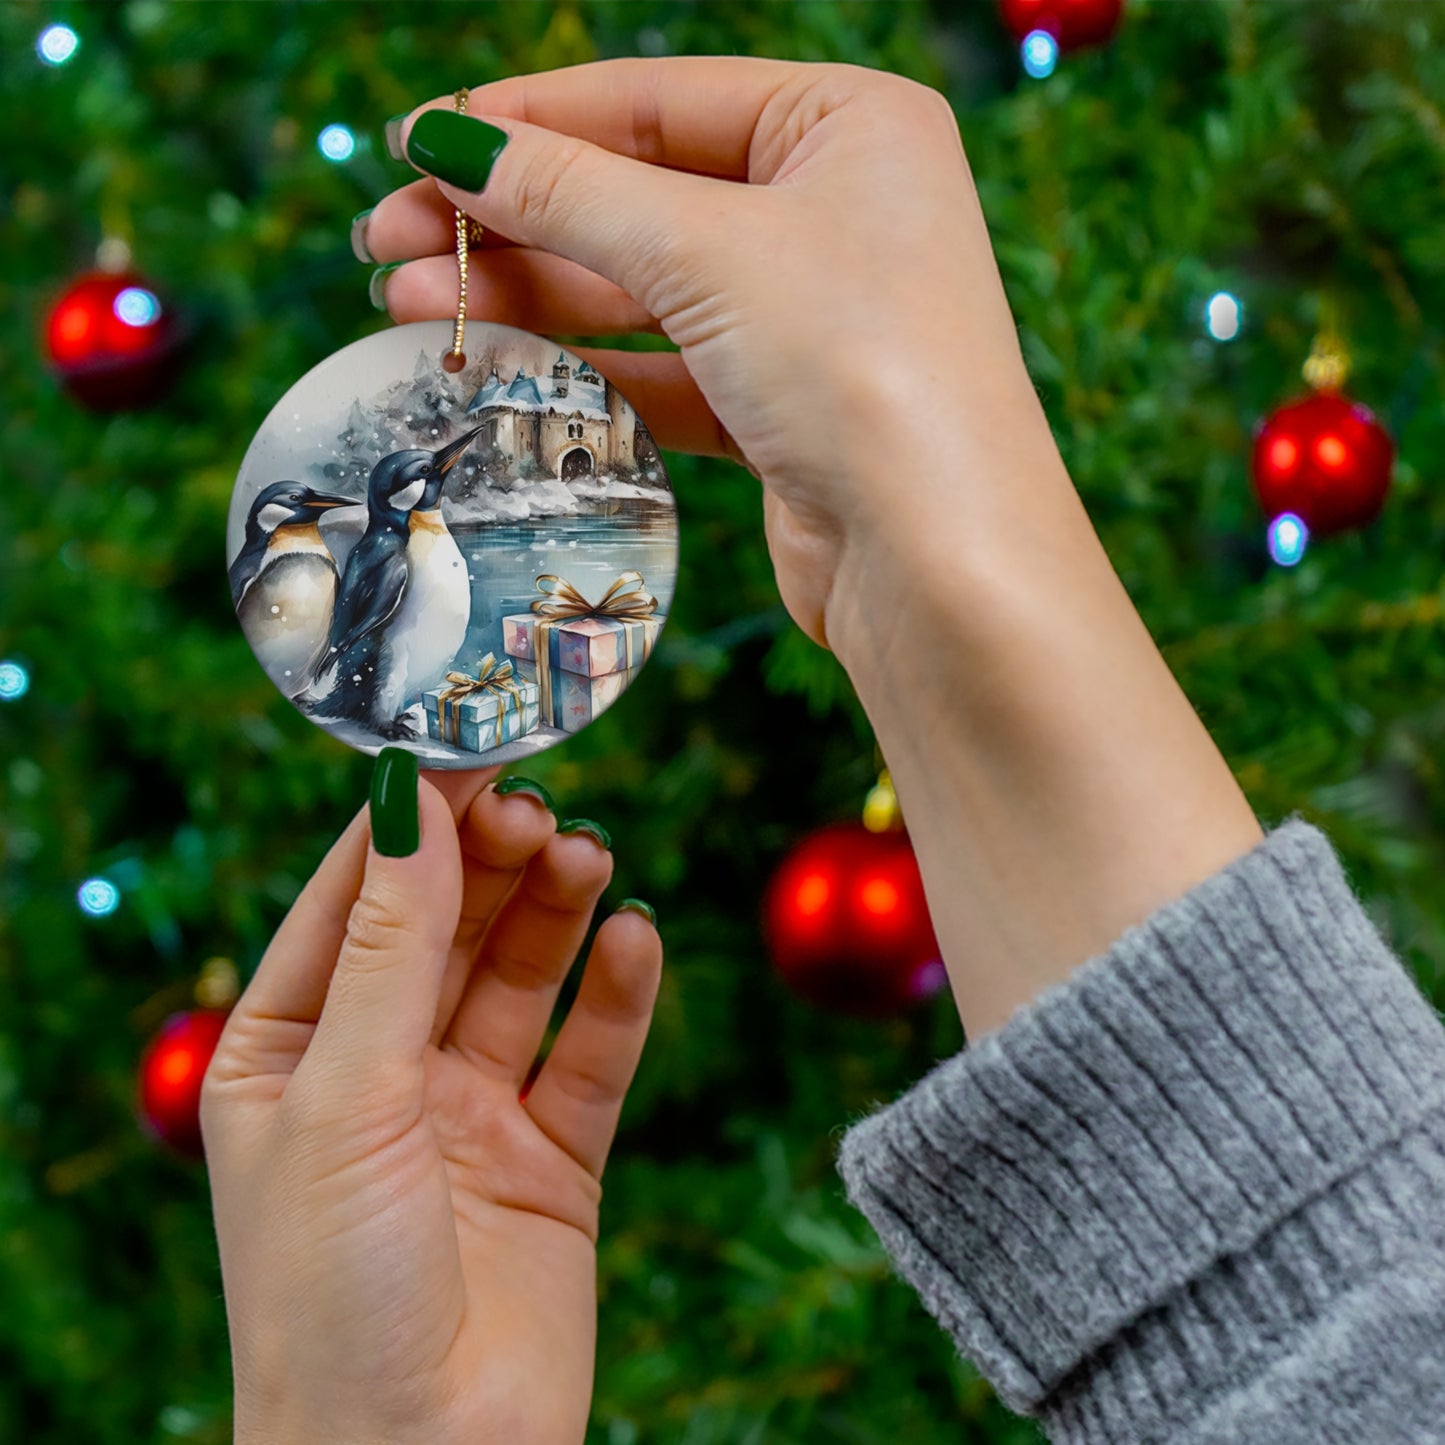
[(577, 700), (471, 722), (586, 665), (586, 646)]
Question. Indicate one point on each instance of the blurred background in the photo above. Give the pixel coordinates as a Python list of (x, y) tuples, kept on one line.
[(1186, 208)]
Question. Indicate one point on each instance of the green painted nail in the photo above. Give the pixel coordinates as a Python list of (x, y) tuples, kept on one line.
[(531, 789), (395, 824), (392, 132), (359, 248), (455, 148), (586, 825), (376, 287), (636, 905)]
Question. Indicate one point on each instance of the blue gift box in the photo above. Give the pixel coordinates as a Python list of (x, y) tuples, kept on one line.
[(483, 719)]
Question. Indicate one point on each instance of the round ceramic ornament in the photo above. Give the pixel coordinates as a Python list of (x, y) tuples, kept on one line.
[(469, 559)]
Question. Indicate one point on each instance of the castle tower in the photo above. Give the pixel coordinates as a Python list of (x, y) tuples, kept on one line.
[(561, 374), (623, 429)]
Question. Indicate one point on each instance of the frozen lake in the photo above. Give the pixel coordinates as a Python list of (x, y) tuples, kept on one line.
[(590, 550)]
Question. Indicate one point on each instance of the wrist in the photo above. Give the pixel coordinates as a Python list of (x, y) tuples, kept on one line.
[(1057, 784)]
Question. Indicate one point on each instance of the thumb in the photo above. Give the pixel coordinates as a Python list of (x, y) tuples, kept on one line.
[(382, 1001), (640, 226)]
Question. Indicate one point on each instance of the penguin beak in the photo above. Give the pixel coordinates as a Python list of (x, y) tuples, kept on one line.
[(450, 454), (324, 501)]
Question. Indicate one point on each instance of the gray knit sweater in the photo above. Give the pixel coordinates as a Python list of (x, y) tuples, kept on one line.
[(1196, 1192)]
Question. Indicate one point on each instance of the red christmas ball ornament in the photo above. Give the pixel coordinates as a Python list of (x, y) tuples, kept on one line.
[(847, 923), (112, 341), (171, 1071), (1326, 459), (1073, 23)]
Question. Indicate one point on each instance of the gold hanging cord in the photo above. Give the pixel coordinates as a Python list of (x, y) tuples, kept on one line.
[(468, 231)]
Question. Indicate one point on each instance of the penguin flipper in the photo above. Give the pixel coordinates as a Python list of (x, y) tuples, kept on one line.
[(245, 569), (369, 596)]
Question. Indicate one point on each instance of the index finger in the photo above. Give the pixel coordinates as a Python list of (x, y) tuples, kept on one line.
[(696, 113)]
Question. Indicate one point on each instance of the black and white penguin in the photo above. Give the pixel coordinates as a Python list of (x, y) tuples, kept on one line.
[(283, 581), (405, 598)]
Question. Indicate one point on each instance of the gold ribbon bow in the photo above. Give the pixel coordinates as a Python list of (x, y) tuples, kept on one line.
[(626, 600), (492, 676)]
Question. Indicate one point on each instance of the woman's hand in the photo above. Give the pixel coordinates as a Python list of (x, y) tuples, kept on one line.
[(808, 235), (407, 1246)]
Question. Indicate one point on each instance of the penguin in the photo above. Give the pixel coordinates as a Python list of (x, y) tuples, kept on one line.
[(404, 602), (283, 581)]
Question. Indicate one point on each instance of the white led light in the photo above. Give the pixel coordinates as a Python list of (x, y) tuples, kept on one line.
[(57, 44), (137, 307), (1040, 52), (14, 681), (98, 897), (1288, 537), (1223, 316), (336, 143)]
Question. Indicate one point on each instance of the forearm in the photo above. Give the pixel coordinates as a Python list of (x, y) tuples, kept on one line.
[(1057, 784)]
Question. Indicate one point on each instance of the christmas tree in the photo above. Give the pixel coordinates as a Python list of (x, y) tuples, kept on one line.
[(1283, 159)]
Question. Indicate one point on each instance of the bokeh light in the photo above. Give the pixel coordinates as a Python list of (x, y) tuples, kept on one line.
[(1223, 316), (98, 897), (1288, 538), (336, 143), (137, 307), (1040, 52), (14, 681), (57, 44)]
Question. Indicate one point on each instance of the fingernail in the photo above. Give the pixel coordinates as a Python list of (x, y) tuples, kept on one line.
[(376, 287), (395, 821), (525, 785), (586, 825), (393, 136), (455, 148), (636, 905), (359, 248)]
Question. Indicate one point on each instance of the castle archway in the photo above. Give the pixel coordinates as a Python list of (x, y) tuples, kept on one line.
[(575, 463)]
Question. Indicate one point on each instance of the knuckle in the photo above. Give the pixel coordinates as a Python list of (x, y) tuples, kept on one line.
[(542, 187), (929, 105), (521, 970), (375, 934)]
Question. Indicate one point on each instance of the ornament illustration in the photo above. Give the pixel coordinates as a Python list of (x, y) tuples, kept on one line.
[(452, 561)]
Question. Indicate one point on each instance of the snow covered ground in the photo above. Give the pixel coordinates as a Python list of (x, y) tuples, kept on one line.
[(549, 498)]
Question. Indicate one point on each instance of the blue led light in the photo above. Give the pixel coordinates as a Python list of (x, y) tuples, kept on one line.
[(1040, 52), (98, 897), (1288, 538), (14, 681), (137, 307), (1223, 316), (57, 44), (336, 143)]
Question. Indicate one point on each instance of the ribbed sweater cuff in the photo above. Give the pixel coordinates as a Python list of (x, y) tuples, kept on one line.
[(1142, 1166)]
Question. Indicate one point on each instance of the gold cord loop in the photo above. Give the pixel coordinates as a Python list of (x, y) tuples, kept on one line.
[(468, 231)]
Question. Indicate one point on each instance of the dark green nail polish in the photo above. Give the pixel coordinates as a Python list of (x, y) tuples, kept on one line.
[(586, 825), (359, 247), (455, 148), (636, 905), (395, 824), (392, 133), (376, 287), (525, 785)]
